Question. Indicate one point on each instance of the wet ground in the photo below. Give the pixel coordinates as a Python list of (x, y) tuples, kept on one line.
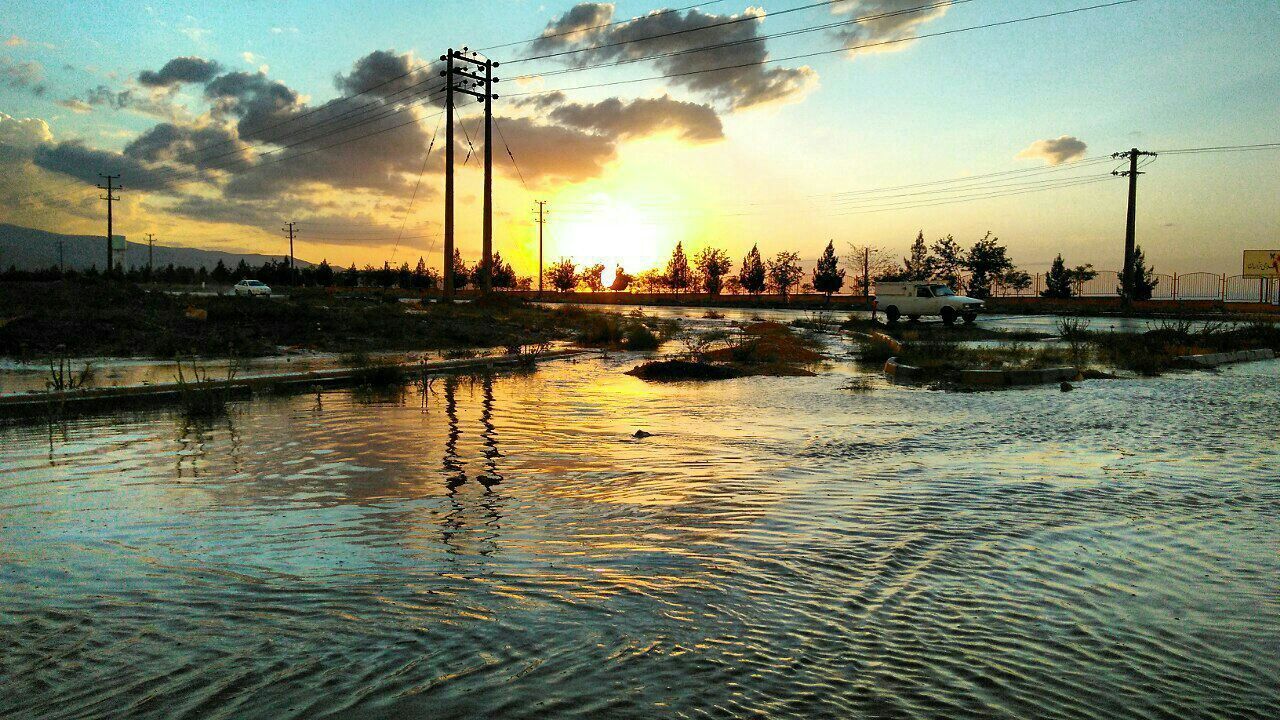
[(779, 548)]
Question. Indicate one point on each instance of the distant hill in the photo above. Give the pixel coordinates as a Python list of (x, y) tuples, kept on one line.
[(31, 249)]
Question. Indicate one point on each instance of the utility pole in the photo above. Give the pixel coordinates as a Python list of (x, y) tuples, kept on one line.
[(110, 199), (866, 272), (1127, 279), (151, 252), (62, 259), (542, 221), (484, 94), (291, 228)]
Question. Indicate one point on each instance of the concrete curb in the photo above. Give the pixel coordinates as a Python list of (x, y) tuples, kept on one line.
[(1215, 359), (132, 396), (985, 378), (893, 343)]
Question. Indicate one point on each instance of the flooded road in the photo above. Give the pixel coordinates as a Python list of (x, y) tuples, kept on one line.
[(780, 547)]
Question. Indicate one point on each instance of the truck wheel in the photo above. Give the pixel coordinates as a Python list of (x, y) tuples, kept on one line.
[(891, 314), (913, 318), (948, 316), (970, 318)]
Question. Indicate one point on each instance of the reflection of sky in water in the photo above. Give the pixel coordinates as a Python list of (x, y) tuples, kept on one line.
[(780, 546)]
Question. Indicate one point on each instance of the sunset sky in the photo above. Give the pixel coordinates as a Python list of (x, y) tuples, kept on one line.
[(183, 99)]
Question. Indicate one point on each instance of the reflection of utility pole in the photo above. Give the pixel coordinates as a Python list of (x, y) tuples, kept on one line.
[(110, 199), (542, 221), (151, 252), (1127, 283)]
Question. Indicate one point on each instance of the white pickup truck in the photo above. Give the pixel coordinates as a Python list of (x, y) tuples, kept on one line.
[(916, 299)]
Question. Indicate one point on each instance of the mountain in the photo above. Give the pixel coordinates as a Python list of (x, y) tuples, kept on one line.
[(31, 249)]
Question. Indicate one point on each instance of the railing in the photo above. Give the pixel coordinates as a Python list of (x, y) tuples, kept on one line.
[(1190, 286)]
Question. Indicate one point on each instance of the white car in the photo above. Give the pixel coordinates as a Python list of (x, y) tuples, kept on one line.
[(917, 299), (252, 287)]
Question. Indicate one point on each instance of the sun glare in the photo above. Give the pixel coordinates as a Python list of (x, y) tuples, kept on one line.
[(600, 229)]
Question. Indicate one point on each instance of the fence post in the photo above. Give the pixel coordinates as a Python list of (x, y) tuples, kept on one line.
[(1174, 288), (1223, 293)]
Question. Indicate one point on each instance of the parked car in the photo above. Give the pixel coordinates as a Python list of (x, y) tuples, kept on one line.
[(252, 287), (917, 299)]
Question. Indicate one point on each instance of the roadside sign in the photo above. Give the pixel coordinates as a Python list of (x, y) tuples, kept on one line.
[(1262, 263), (118, 243)]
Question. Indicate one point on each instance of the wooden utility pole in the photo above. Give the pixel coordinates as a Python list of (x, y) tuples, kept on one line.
[(62, 259), (151, 252), (485, 94), (1127, 283), (542, 221), (866, 272), (110, 230), (486, 242)]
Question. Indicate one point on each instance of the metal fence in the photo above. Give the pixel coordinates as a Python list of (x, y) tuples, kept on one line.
[(1188, 286)]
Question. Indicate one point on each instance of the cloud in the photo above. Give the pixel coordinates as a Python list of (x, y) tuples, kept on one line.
[(1055, 151), (15, 41), (75, 159), (385, 73), (20, 138), (898, 22), (206, 147), (76, 105), (555, 153), (746, 82), (189, 69), (22, 75), (645, 116)]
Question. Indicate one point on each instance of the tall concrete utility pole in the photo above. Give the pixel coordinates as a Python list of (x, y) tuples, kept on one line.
[(291, 228), (446, 276), (480, 87), (1127, 281), (542, 221), (110, 230)]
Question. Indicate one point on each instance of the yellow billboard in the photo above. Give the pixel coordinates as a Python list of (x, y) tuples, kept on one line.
[(1262, 263)]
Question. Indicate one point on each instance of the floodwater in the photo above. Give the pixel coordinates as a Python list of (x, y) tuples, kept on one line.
[(779, 548)]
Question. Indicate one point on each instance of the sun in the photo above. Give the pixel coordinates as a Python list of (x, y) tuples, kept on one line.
[(600, 229)]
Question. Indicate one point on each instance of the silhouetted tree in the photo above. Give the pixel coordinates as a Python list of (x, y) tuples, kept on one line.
[(828, 278), (752, 275), (1144, 281), (945, 262), (986, 262), (785, 271), (1061, 282), (351, 276), (713, 264), (563, 275), (916, 265), (678, 277), (220, 273), (620, 280), (592, 277), (323, 274), (503, 275)]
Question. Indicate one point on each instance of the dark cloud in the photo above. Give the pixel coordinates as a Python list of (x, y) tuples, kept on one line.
[(387, 74), (1056, 151), (180, 70), (739, 87), (202, 147), (75, 159), (156, 104), (357, 228), (645, 116), (555, 153), (22, 75), (259, 102), (899, 24)]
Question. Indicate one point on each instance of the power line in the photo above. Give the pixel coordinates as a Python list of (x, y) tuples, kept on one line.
[(509, 154), (638, 18), (404, 219)]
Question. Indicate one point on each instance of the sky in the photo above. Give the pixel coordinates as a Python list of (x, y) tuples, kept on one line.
[(226, 120)]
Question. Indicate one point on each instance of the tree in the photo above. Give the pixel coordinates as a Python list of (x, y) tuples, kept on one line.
[(419, 280), (916, 265), (678, 276), (650, 281), (461, 273), (503, 275), (1144, 281), (1063, 283), (986, 262), (785, 271), (220, 273), (752, 275), (351, 277), (869, 264), (620, 280), (732, 285), (593, 277), (323, 274), (404, 276), (945, 261), (713, 264), (828, 278), (1016, 279), (563, 275)]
